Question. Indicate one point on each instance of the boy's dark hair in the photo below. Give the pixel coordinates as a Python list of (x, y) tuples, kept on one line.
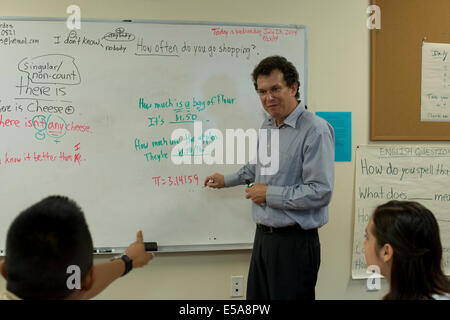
[(267, 65), (41, 243), (413, 232)]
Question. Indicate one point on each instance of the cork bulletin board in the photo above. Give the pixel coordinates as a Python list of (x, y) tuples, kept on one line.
[(396, 59)]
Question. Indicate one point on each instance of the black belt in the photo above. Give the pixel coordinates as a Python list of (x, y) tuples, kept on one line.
[(280, 229)]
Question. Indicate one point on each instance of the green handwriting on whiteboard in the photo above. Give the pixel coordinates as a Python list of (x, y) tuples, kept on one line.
[(52, 126)]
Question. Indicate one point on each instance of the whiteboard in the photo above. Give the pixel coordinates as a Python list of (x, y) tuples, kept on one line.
[(89, 114), (404, 173)]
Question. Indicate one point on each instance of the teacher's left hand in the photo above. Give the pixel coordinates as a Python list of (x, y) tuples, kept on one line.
[(257, 193)]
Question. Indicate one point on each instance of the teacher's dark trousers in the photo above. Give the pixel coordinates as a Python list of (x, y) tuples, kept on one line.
[(284, 264)]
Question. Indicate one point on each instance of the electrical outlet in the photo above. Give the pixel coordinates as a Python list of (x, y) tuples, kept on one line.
[(237, 286)]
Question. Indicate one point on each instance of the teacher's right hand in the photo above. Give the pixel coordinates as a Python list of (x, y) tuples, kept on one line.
[(215, 181)]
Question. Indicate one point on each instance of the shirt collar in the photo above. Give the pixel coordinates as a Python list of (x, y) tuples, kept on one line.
[(292, 118)]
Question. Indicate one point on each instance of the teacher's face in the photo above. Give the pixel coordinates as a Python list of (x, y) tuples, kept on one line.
[(276, 97)]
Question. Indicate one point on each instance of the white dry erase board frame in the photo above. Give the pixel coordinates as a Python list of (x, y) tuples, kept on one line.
[(89, 114)]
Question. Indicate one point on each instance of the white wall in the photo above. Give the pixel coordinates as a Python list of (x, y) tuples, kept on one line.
[(338, 81)]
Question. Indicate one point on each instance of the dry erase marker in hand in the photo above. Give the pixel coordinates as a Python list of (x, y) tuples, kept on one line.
[(211, 180), (249, 184)]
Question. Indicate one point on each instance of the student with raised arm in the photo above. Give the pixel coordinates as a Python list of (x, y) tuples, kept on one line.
[(49, 237), (403, 241)]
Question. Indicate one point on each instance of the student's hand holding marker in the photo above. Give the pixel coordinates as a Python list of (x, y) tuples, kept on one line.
[(215, 181)]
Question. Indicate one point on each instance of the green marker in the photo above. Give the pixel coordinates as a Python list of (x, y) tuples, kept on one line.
[(249, 184)]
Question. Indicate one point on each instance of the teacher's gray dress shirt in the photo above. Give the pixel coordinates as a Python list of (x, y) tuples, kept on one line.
[(301, 189)]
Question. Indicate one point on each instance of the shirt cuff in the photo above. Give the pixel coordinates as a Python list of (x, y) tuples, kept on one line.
[(274, 197), (232, 180)]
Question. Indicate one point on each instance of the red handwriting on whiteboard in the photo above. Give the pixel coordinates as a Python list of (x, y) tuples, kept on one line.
[(267, 34), (11, 158), (173, 181)]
